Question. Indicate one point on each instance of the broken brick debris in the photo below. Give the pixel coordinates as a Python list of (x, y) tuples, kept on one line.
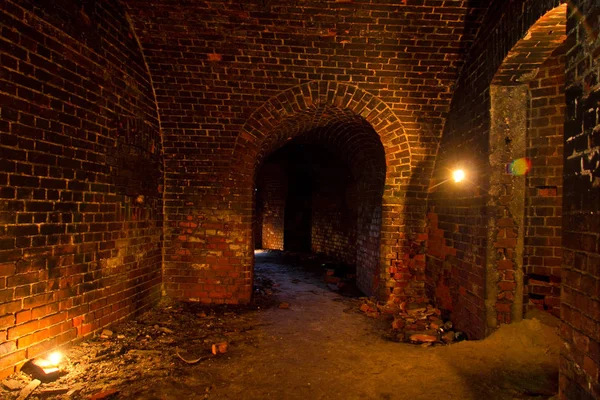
[(30, 388), (414, 322)]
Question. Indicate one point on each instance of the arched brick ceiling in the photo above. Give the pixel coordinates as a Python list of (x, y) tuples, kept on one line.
[(342, 132), (220, 59), (524, 59)]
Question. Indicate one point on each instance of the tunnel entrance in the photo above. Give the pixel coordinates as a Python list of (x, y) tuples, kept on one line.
[(307, 194), (321, 193)]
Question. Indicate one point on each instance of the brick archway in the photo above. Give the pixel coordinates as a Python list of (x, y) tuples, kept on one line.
[(314, 105), (305, 105), (523, 61)]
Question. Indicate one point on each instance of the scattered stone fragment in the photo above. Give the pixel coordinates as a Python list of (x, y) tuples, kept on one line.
[(416, 309), (448, 337), (436, 324), (106, 333), (54, 391), (220, 348), (421, 338), (105, 394), (398, 324), (27, 390), (284, 305), (388, 309), (12, 384), (73, 391), (166, 330), (402, 306)]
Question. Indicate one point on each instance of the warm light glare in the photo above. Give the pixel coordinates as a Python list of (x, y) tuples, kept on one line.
[(55, 358), (51, 360), (458, 175)]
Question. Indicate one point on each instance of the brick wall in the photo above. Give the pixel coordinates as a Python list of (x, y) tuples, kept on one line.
[(368, 231), (272, 191), (334, 212), (580, 306), (543, 252), (79, 143), (460, 218), (235, 81)]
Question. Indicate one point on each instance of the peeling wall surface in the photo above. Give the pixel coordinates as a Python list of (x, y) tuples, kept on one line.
[(504, 267)]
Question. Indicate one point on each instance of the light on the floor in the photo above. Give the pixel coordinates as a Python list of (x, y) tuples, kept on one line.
[(51, 360)]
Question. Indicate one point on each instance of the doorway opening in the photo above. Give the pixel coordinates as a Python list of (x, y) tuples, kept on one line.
[(321, 193), (526, 157)]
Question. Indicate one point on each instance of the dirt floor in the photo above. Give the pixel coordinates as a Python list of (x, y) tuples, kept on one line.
[(321, 347)]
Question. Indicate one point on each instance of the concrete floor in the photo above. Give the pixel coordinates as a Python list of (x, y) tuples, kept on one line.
[(321, 347)]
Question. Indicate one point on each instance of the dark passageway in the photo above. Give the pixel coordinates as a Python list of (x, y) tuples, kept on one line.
[(322, 193)]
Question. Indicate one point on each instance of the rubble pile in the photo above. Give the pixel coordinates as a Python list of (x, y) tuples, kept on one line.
[(417, 323)]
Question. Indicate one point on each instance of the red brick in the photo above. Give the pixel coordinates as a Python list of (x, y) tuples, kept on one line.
[(23, 316), (7, 269), (7, 348), (7, 321), (12, 359), (21, 330), (591, 368)]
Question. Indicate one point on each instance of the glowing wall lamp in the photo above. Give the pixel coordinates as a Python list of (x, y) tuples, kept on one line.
[(458, 175)]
